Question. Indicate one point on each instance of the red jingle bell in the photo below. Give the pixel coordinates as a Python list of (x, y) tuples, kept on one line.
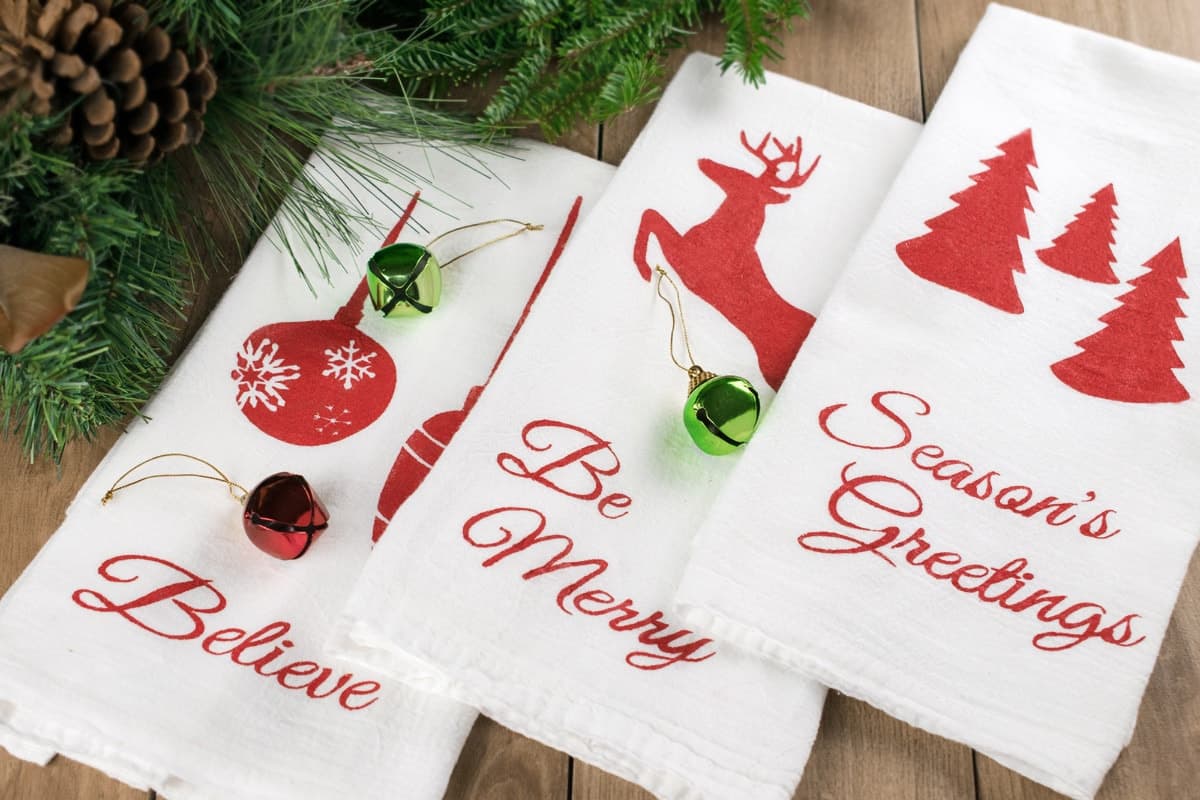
[(283, 516)]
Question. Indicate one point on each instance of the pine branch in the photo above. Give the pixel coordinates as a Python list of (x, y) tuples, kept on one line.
[(99, 364), (565, 60)]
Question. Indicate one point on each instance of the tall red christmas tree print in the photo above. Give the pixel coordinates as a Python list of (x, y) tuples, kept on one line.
[(1084, 249), (972, 248), (1133, 358)]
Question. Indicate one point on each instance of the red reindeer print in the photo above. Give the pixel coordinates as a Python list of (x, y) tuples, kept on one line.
[(717, 260)]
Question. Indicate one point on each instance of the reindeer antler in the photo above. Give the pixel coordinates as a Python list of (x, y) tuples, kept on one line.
[(788, 154)]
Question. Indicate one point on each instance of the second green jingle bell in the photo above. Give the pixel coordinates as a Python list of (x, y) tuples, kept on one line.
[(721, 413)]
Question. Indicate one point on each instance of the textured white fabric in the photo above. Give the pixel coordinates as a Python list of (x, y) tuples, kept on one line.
[(107, 687), (530, 638), (894, 545)]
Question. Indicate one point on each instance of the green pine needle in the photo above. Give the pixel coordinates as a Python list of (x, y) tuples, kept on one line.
[(563, 61)]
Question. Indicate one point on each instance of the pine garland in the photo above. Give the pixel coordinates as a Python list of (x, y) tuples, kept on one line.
[(295, 75), (104, 359), (564, 61)]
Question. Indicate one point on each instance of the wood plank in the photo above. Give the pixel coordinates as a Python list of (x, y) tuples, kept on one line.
[(61, 780), (592, 783), (497, 764), (35, 499), (862, 752), (1163, 758), (945, 25), (862, 49), (865, 50)]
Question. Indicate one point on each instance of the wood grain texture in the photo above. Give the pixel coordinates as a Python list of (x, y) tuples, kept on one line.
[(61, 780), (497, 764), (593, 783), (863, 49), (861, 752), (1172, 26)]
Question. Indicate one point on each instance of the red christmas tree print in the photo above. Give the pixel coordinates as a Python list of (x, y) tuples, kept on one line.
[(1133, 358), (1085, 248), (972, 248)]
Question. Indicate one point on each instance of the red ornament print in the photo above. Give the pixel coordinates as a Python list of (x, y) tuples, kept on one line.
[(1133, 358), (424, 446), (320, 381), (717, 259), (972, 248), (421, 451), (1085, 248)]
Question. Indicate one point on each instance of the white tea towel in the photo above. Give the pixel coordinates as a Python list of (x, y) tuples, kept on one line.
[(150, 639), (530, 575), (974, 500)]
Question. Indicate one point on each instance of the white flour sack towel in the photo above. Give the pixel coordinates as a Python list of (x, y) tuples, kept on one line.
[(151, 639), (974, 500), (531, 574)]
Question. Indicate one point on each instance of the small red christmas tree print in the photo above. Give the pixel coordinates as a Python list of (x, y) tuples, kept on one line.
[(972, 248), (1084, 249), (1133, 358)]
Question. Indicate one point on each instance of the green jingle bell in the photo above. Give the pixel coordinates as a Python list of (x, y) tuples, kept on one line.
[(721, 413), (404, 280)]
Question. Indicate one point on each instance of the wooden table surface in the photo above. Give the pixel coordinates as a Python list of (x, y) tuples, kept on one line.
[(895, 54)]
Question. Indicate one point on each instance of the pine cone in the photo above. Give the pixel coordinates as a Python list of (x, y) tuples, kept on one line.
[(141, 95), (24, 79)]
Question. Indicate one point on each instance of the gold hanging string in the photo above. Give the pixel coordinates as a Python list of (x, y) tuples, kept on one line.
[(687, 345), (525, 226), (696, 373), (236, 490)]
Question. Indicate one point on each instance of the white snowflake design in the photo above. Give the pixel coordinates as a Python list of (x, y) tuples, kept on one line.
[(349, 364), (262, 376), (331, 419)]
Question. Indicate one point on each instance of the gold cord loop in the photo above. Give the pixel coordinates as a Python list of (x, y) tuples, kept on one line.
[(525, 226), (693, 369), (236, 490)]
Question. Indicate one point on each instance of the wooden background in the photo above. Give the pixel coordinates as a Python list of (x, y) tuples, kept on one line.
[(895, 54)]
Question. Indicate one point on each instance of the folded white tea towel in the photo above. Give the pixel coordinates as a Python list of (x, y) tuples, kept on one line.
[(974, 500), (151, 639), (530, 575)]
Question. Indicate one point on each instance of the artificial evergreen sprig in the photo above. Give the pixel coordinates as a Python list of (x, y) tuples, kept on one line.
[(564, 61), (100, 363), (298, 75)]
